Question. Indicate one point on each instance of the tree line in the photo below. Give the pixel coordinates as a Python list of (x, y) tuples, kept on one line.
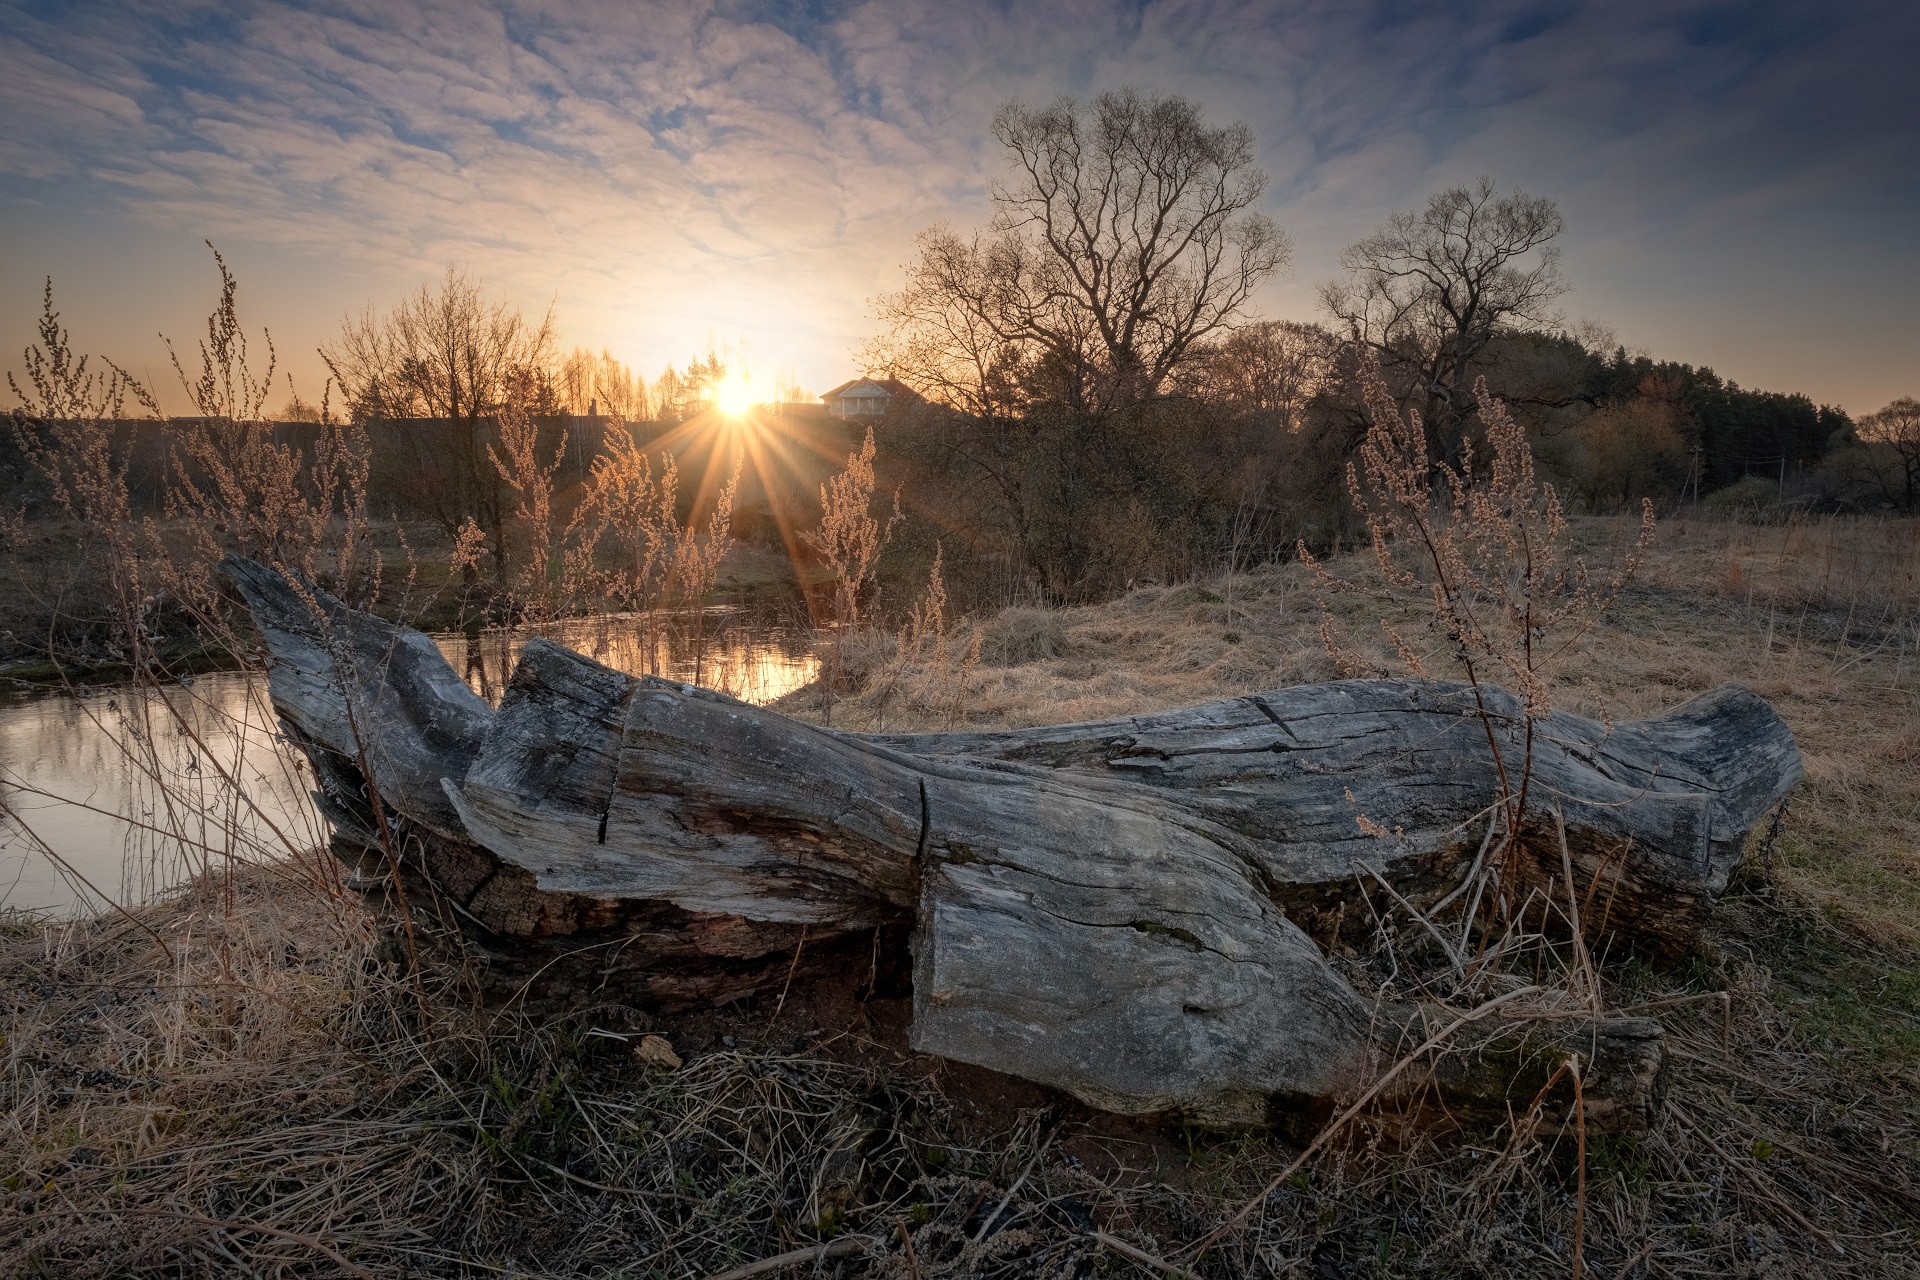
[(1096, 402)]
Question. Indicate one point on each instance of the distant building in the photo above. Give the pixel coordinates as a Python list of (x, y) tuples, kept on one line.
[(864, 398)]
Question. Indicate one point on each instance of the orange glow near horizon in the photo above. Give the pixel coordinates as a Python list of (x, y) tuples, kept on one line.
[(780, 468)]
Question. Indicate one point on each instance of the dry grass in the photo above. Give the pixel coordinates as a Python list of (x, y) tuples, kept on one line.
[(234, 1082), (239, 1081), (249, 1093)]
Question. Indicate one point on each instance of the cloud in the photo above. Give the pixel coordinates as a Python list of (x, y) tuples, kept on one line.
[(671, 169)]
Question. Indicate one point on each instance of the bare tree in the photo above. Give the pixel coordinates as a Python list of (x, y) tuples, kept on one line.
[(1121, 238), (619, 390), (447, 352), (1897, 427), (1429, 291), (575, 382), (949, 331), (1123, 242), (1138, 244), (946, 333)]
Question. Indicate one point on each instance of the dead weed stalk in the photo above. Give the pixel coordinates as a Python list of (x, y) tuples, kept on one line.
[(850, 538)]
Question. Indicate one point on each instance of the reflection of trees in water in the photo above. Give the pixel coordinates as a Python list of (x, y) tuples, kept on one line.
[(134, 793), (745, 655)]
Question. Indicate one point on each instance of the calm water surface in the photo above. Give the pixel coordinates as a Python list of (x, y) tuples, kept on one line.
[(112, 796)]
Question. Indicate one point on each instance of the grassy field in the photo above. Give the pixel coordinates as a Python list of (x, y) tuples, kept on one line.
[(245, 1081)]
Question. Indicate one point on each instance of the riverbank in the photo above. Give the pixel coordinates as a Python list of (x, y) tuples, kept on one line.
[(253, 1072), (61, 624)]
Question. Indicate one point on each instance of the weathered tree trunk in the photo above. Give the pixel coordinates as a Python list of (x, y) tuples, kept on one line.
[(1656, 812), (1113, 909)]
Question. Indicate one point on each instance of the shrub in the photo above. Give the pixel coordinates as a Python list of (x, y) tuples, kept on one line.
[(1748, 495), (1021, 635)]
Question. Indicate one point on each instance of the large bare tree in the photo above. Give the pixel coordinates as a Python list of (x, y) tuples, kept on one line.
[(1124, 243), (1123, 235), (1431, 289)]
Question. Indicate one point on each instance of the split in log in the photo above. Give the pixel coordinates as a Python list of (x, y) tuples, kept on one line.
[(1127, 910)]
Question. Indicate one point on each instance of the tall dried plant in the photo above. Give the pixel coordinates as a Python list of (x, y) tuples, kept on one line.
[(469, 544), (227, 388), (1482, 548), (227, 486), (626, 507), (235, 487), (634, 511), (850, 539), (64, 428), (305, 509), (926, 643), (696, 561), (518, 462)]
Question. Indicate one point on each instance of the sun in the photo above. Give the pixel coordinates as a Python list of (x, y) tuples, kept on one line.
[(733, 395)]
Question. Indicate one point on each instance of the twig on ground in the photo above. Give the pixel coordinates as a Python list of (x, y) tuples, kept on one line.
[(1141, 1256), (794, 1257)]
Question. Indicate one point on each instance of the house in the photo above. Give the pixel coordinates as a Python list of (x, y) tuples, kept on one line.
[(864, 399)]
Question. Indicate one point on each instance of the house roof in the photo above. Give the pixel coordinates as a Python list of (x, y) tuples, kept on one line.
[(891, 386)]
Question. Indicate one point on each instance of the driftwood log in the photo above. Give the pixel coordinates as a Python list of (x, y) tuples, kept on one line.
[(1133, 911)]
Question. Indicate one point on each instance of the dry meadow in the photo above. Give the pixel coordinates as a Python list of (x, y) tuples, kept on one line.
[(247, 1079)]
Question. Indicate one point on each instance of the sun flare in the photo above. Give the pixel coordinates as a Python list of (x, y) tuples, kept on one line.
[(733, 395)]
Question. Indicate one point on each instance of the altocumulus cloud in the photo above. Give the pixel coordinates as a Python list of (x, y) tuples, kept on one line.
[(756, 171)]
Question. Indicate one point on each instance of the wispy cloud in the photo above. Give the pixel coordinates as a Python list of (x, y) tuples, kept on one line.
[(756, 171)]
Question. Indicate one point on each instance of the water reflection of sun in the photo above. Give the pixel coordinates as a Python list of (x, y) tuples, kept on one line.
[(749, 657)]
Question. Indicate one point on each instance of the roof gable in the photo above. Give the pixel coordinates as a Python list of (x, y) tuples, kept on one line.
[(868, 387)]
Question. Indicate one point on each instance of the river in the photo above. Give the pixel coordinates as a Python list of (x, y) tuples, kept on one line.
[(112, 797)]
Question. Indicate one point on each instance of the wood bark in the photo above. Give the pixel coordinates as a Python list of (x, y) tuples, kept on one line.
[(1133, 911)]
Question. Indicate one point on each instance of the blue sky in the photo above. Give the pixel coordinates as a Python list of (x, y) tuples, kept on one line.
[(1741, 180)]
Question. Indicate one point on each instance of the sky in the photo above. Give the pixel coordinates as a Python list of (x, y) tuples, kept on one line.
[(1741, 181)]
